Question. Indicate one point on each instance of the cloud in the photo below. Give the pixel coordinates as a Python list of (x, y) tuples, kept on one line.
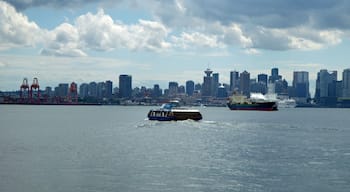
[(15, 28), (191, 40), (63, 41), (270, 24), (24, 4), (101, 32), (178, 24)]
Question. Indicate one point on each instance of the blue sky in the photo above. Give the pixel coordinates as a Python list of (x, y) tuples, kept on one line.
[(61, 41)]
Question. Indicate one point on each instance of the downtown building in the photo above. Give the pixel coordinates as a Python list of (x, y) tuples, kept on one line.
[(346, 83), (326, 88), (300, 86), (125, 86), (207, 87)]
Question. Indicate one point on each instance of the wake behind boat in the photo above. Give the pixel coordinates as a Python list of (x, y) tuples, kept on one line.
[(242, 102), (173, 112)]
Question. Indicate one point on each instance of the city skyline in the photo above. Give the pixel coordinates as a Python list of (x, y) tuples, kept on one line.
[(210, 76), (157, 42)]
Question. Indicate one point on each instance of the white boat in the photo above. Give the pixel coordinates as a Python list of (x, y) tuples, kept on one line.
[(287, 103)]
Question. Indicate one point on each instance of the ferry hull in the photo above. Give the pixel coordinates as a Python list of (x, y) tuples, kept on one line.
[(173, 115), (265, 106)]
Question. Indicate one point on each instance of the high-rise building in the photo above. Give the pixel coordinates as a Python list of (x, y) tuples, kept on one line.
[(215, 84), (93, 89), (262, 83), (62, 90), (245, 83), (173, 88), (262, 78), (324, 79), (125, 86), (157, 92), (301, 84), (326, 87), (189, 87), (101, 89), (181, 90), (207, 83), (108, 89), (222, 93), (346, 83), (84, 90), (274, 75), (48, 91), (234, 80)]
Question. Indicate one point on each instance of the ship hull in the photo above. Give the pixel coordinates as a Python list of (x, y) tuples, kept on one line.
[(265, 106), (161, 115)]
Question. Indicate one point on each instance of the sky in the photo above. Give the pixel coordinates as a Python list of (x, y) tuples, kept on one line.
[(61, 41)]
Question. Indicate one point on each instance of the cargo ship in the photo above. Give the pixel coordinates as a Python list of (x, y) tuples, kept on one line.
[(173, 112), (242, 102)]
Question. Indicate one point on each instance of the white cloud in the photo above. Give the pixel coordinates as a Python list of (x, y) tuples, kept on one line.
[(196, 39), (180, 25), (63, 41), (15, 28)]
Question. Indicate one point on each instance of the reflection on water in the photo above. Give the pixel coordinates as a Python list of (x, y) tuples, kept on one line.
[(114, 148)]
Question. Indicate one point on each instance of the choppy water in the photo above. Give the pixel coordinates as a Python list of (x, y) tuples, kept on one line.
[(114, 148)]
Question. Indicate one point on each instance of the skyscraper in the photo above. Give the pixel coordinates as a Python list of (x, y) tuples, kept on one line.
[(92, 89), (346, 83), (157, 92), (215, 84), (274, 75), (84, 90), (207, 83), (326, 84), (245, 83), (189, 87), (109, 89), (301, 84), (262, 78), (262, 82), (173, 88), (234, 80), (125, 86)]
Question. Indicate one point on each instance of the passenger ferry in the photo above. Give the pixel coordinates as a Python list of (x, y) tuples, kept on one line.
[(173, 112)]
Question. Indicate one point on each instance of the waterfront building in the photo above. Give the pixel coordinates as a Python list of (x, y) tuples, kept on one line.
[(173, 88), (234, 80), (189, 87), (258, 87), (181, 90), (48, 92), (215, 84), (101, 89), (125, 86), (324, 80), (325, 93), (222, 92), (157, 92), (346, 83), (207, 83), (262, 83), (108, 89), (262, 78), (274, 75), (62, 90), (245, 83), (83, 90), (92, 89), (301, 84)]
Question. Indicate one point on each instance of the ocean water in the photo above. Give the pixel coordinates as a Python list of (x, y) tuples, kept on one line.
[(115, 148)]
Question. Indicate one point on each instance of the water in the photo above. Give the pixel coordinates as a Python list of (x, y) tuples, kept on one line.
[(114, 148)]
